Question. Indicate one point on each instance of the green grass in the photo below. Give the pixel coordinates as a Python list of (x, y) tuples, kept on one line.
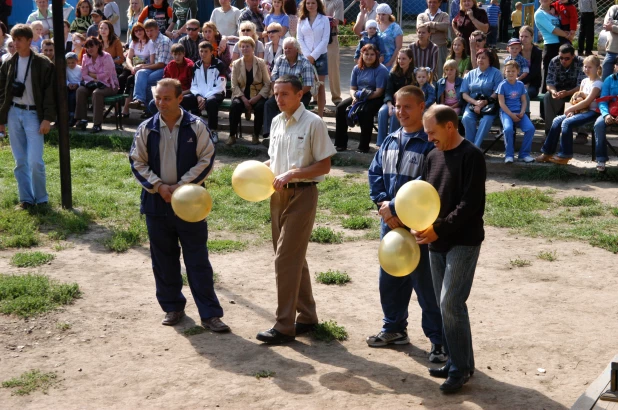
[(325, 235), (572, 201), (591, 211), (549, 173), (332, 277), (30, 295), (31, 381), (263, 374), (549, 256), (329, 331), (513, 208), (31, 259), (63, 326), (519, 263), (345, 196), (195, 330), (358, 222), (224, 246)]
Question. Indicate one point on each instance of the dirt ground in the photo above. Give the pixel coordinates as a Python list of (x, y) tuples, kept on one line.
[(559, 316)]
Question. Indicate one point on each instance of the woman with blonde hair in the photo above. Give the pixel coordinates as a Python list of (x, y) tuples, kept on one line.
[(250, 89), (248, 29), (274, 48), (448, 88), (133, 12), (218, 41)]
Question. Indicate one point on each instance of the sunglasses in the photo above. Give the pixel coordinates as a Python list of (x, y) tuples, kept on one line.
[(272, 31), (192, 28), (245, 30), (479, 40)]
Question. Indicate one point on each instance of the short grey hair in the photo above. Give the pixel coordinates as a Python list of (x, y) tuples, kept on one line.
[(294, 42)]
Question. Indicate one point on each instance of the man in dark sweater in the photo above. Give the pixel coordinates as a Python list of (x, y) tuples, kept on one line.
[(457, 170)]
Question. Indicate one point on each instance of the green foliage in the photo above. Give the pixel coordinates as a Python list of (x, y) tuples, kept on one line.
[(513, 208), (114, 142), (332, 277), (344, 196), (358, 222), (548, 173), (31, 259), (347, 161), (605, 241), (225, 245), (549, 256), (30, 295), (591, 211), (31, 381), (520, 263), (63, 326), (325, 235), (263, 374), (123, 239), (579, 201), (614, 211), (195, 330), (329, 331)]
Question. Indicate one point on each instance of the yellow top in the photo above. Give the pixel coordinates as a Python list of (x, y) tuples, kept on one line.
[(516, 18)]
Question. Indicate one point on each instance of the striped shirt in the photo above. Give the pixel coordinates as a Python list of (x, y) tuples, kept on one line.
[(493, 12), (425, 57), (302, 69)]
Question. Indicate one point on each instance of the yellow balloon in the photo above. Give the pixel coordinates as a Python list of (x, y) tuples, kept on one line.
[(253, 181), (399, 253), (417, 204), (191, 203)]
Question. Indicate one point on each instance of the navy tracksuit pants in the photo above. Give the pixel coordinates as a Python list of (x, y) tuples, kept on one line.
[(395, 294), (165, 232)]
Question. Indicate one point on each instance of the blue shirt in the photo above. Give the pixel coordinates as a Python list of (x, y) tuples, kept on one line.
[(493, 11), (389, 37), (521, 60), (546, 23), (282, 19), (481, 82), (512, 95), (371, 78)]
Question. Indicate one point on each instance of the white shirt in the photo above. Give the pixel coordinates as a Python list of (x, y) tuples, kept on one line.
[(112, 8), (298, 141), (28, 97), (587, 86), (143, 51), (74, 76), (314, 38), (226, 21)]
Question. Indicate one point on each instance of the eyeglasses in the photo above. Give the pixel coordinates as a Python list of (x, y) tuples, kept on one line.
[(272, 31), (479, 40), (192, 28)]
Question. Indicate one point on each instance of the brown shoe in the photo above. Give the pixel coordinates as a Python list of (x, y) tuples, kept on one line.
[(543, 158), (231, 140), (172, 318), (215, 324), (560, 161)]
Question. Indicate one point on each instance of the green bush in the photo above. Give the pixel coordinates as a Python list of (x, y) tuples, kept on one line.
[(332, 277), (31, 259), (325, 235)]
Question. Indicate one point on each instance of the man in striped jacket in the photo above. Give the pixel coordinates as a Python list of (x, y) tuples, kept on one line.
[(401, 159), (174, 148)]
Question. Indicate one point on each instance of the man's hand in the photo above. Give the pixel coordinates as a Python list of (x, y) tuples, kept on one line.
[(201, 102), (44, 128), (166, 192), (426, 236), (311, 60), (281, 180), (514, 117), (394, 223), (385, 211), (608, 26), (609, 120)]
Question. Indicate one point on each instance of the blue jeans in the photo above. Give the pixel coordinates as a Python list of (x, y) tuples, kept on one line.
[(599, 132), (474, 134), (562, 129), (608, 64), (509, 135), (383, 124), (27, 147), (453, 274), (395, 294), (165, 232), (144, 79)]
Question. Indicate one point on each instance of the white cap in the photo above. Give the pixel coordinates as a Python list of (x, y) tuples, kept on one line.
[(384, 9), (371, 23)]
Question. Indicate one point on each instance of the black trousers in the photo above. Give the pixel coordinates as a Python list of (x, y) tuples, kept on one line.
[(365, 121), (549, 51), (505, 22), (189, 103), (586, 33), (238, 108), (271, 110)]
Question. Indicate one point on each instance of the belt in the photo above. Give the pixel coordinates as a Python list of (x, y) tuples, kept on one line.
[(24, 107), (299, 184)]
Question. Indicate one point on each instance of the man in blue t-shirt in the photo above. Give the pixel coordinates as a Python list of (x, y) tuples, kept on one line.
[(493, 16), (513, 101)]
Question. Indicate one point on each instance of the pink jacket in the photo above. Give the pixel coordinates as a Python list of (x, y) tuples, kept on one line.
[(103, 67)]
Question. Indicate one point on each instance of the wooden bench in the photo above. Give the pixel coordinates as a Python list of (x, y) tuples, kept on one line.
[(114, 102), (591, 399)]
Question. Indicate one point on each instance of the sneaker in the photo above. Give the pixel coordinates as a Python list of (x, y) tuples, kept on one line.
[(383, 339), (508, 160), (437, 354), (600, 166), (543, 158), (214, 136), (527, 159)]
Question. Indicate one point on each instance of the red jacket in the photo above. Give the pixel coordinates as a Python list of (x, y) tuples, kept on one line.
[(183, 73), (567, 13)]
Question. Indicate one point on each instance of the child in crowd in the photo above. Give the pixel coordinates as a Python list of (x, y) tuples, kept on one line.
[(568, 15), (267, 6), (74, 76), (370, 36), (78, 46), (513, 102), (180, 68), (493, 16), (423, 76), (458, 53), (277, 15), (47, 49), (37, 38), (97, 17), (514, 49), (576, 115), (448, 87), (10, 50), (516, 19)]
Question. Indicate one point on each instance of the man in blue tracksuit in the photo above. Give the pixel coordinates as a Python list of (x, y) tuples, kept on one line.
[(174, 148), (400, 159)]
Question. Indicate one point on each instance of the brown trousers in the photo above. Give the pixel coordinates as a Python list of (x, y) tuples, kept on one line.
[(98, 103), (292, 211), (334, 77)]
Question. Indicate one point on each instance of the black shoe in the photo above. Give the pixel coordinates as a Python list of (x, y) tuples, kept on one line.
[(274, 336), (339, 149), (172, 318), (302, 328), (96, 128), (454, 384), (81, 125), (442, 372)]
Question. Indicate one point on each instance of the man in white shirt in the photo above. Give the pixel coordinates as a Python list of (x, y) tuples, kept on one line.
[(226, 18), (334, 10), (367, 12), (299, 151)]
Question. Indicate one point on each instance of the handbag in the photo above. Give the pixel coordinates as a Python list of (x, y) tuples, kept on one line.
[(491, 108)]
